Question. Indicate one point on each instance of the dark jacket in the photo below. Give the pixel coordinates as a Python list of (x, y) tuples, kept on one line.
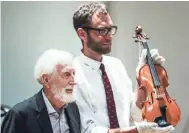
[(31, 116)]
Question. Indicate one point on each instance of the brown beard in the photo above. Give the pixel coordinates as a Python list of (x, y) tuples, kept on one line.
[(97, 46)]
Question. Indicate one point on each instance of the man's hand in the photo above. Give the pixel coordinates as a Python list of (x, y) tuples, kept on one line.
[(151, 127), (157, 59)]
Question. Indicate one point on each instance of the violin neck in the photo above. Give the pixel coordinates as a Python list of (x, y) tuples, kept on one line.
[(152, 68)]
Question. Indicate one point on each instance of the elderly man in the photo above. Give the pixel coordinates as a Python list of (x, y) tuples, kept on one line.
[(51, 110)]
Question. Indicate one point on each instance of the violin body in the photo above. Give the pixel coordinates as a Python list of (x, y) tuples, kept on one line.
[(156, 109)]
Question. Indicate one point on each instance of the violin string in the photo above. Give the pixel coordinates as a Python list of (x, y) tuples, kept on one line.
[(149, 59)]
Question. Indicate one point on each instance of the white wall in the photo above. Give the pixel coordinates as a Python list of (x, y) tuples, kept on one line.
[(166, 23), (29, 28)]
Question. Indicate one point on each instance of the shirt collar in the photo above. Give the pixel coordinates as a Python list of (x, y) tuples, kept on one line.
[(49, 106), (91, 62)]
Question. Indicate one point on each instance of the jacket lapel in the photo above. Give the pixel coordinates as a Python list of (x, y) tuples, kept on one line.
[(72, 122), (42, 114)]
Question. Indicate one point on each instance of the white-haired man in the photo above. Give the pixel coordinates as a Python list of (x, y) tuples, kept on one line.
[(51, 110)]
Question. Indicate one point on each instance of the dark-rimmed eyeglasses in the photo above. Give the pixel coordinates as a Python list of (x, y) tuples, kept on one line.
[(103, 31)]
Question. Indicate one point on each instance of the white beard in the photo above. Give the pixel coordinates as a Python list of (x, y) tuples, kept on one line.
[(61, 95)]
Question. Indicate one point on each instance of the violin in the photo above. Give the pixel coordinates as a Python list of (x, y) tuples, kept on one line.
[(158, 107)]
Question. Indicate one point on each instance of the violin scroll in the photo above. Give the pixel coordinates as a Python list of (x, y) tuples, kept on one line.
[(139, 34)]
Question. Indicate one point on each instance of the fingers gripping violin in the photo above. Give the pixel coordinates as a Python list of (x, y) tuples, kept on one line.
[(159, 107)]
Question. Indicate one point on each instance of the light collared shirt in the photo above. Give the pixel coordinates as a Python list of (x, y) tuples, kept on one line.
[(90, 97), (58, 120)]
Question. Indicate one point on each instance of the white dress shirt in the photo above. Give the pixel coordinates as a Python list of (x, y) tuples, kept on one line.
[(90, 97)]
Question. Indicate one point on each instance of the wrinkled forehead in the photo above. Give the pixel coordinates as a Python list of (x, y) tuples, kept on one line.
[(65, 68), (68, 69)]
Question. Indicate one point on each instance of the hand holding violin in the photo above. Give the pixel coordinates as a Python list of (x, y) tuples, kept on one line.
[(157, 58), (151, 127), (157, 106)]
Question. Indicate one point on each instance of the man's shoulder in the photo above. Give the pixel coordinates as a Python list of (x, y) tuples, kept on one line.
[(77, 59), (111, 59), (25, 105)]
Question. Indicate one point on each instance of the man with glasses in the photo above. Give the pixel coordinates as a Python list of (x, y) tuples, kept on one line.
[(103, 31), (104, 91)]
